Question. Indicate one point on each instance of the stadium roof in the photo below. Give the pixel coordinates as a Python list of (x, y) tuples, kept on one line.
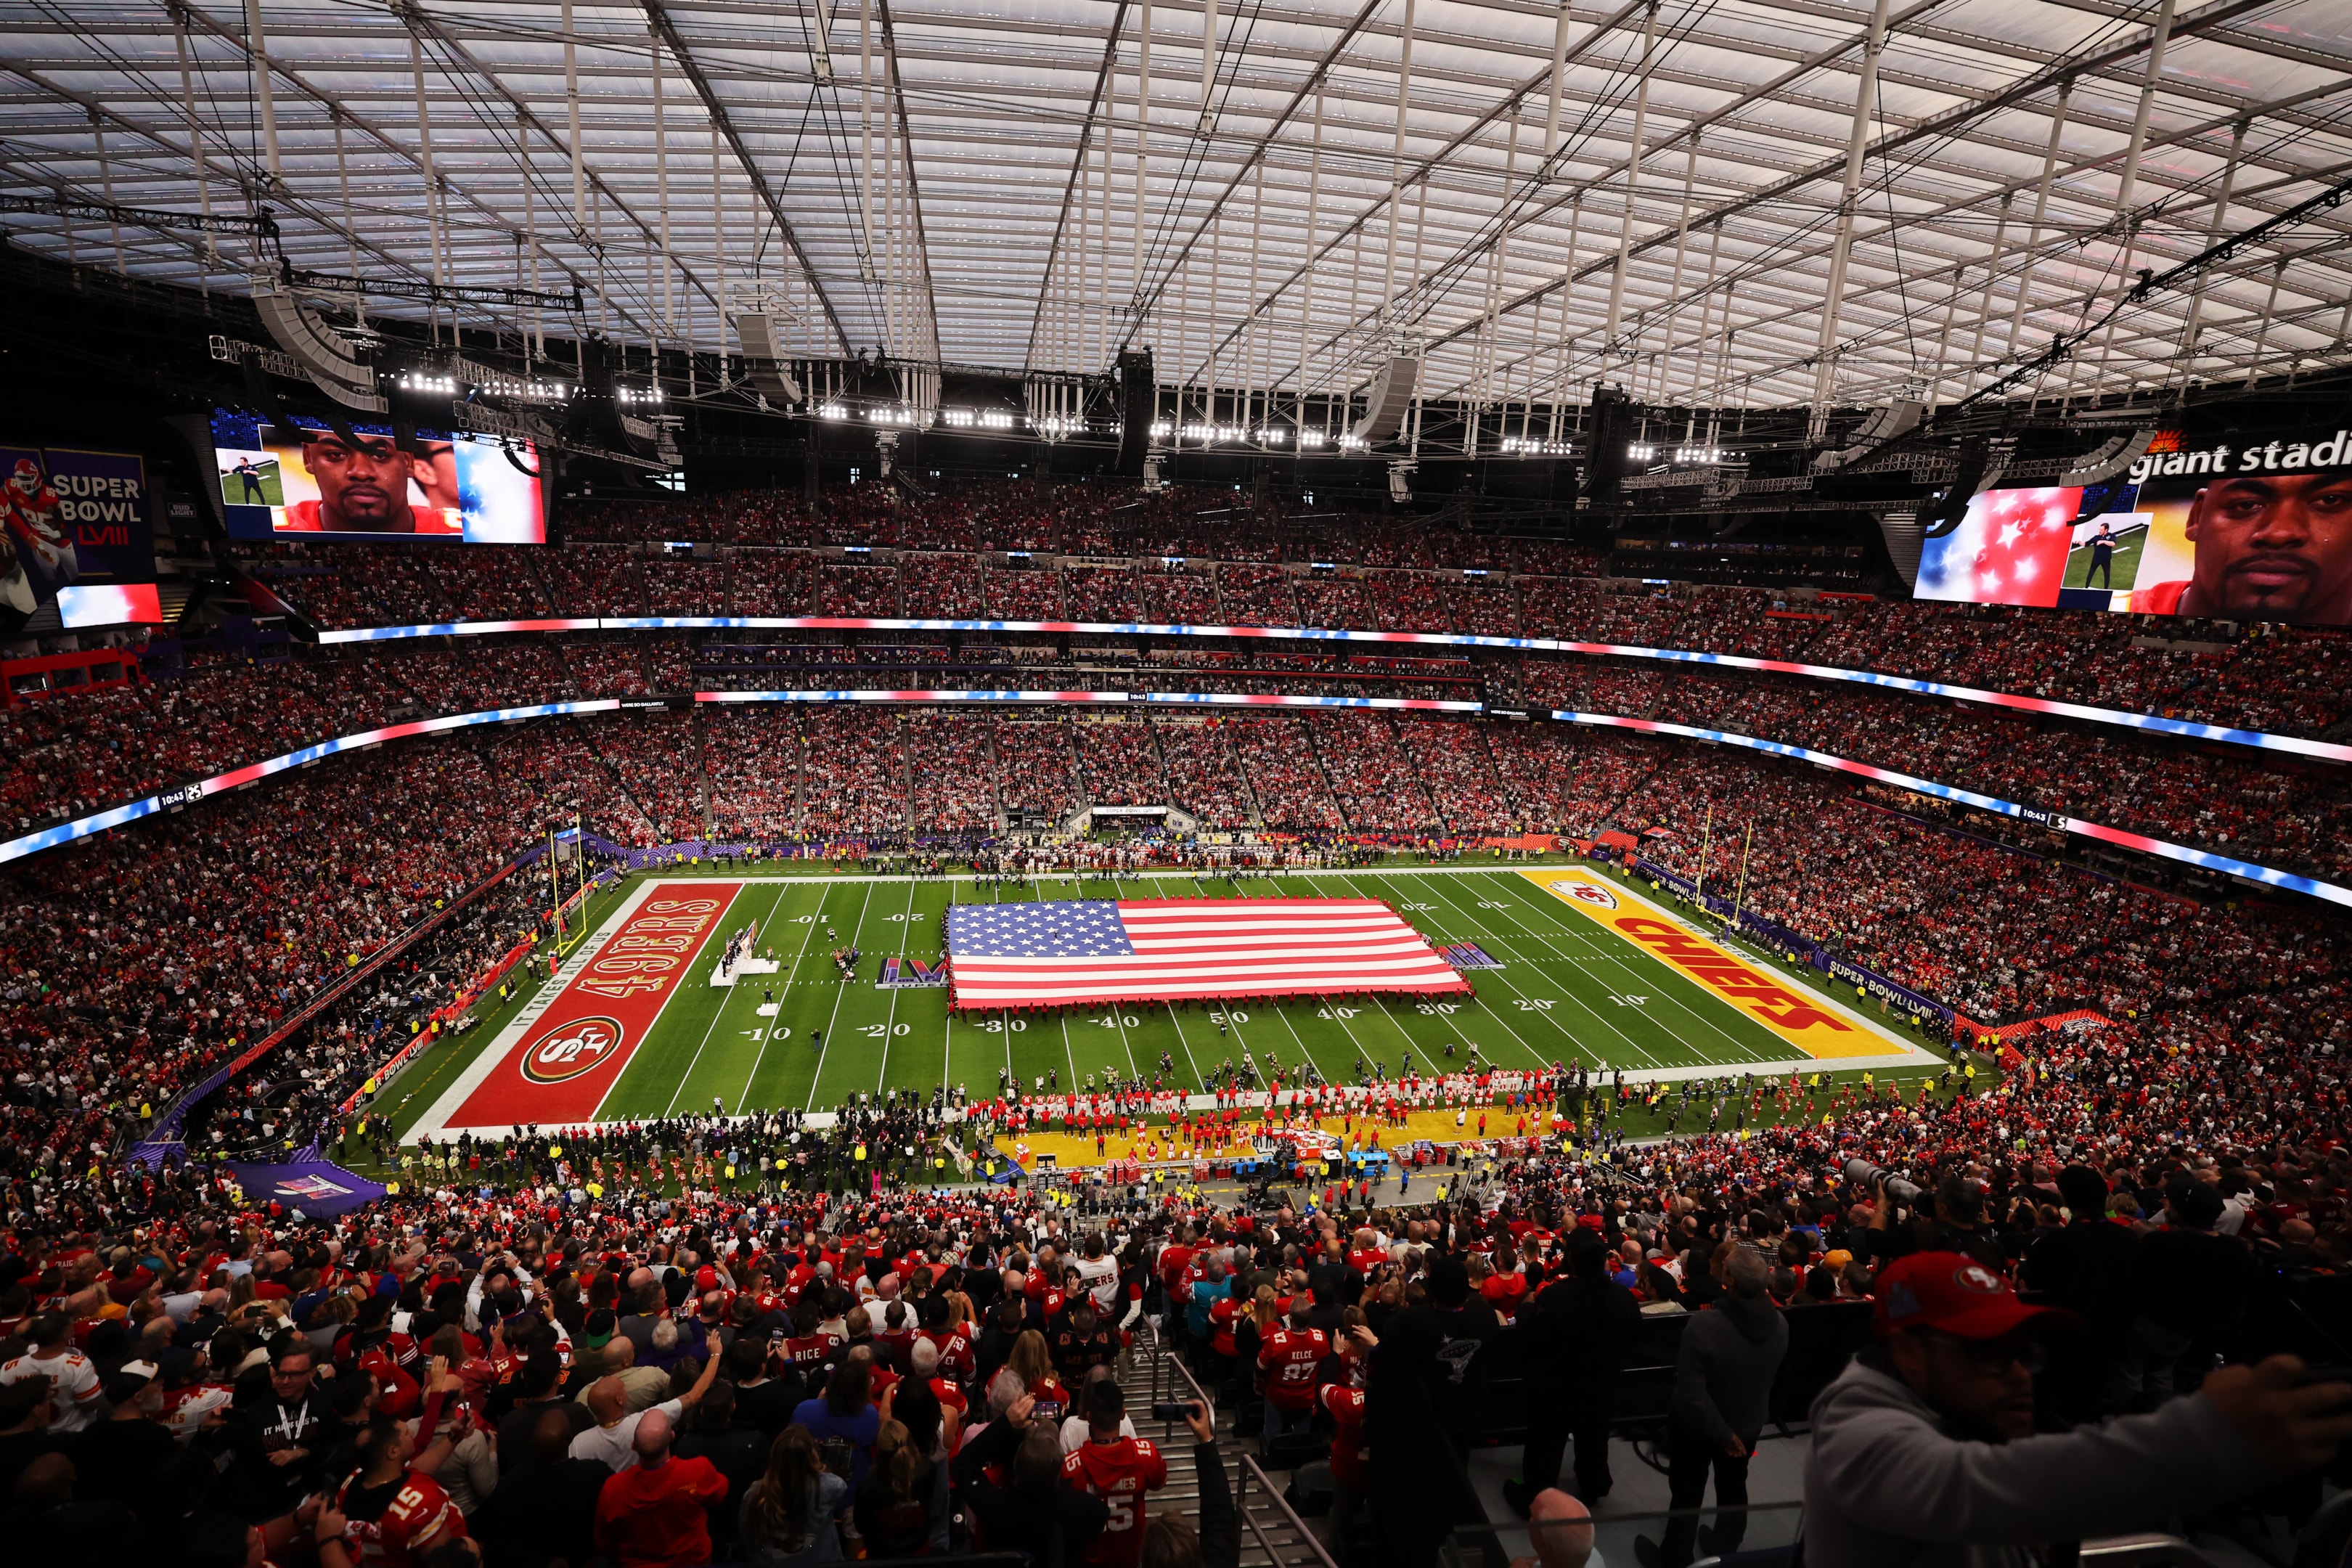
[(1333, 181)]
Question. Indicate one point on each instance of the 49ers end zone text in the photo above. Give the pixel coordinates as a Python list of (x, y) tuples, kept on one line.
[(561, 1071)]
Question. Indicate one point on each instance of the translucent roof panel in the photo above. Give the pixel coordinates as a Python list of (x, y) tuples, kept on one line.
[(1736, 202)]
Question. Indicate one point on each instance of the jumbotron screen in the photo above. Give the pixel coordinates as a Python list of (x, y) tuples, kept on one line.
[(2239, 526), (305, 480)]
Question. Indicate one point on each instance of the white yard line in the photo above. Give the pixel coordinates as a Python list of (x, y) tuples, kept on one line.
[(1600, 1017), (1198, 1077), (709, 1029), (834, 1017), (760, 1059), (906, 923)]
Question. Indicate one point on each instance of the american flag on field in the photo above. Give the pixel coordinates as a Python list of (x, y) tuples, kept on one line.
[(1173, 950)]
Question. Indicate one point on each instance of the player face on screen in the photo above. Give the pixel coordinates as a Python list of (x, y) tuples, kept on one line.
[(2274, 547), (363, 489)]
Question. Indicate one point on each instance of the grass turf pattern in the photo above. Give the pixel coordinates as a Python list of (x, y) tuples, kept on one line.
[(1569, 991)]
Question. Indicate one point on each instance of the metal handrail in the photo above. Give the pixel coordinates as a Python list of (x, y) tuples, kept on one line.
[(2143, 1552), (1173, 1359), (1250, 1467)]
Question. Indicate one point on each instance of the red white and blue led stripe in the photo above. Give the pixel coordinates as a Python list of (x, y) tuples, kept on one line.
[(254, 772), (1159, 698), (2202, 859), (187, 794), (2149, 723)]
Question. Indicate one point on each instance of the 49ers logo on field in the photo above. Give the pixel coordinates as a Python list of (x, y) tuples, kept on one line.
[(570, 1049), (1587, 893)]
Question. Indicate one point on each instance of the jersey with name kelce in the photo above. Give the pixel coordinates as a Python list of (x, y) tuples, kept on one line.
[(1288, 1358)]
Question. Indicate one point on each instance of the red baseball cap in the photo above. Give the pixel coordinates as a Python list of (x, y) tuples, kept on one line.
[(1954, 1293), (706, 1277)]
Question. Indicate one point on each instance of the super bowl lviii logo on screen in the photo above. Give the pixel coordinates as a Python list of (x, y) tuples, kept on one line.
[(569, 1049)]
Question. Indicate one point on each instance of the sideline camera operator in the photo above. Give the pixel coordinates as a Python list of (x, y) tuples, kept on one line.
[(1923, 1449)]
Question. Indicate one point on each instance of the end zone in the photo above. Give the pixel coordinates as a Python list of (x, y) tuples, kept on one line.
[(553, 1066), (1815, 1026)]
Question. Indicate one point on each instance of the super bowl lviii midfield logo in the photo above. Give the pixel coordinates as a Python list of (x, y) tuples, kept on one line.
[(1586, 893), (569, 1049)]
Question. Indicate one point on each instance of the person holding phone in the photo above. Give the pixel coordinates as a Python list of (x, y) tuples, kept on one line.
[(390, 1512)]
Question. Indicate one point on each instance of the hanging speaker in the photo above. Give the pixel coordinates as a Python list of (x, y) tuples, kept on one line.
[(2113, 457), (1391, 399), (762, 364), (1612, 431), (1136, 387), (331, 360)]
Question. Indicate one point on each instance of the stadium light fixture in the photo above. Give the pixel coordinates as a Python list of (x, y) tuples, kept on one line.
[(527, 391)]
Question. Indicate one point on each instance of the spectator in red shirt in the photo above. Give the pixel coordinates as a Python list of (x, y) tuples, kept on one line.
[(651, 1516), (1118, 1469), (1286, 1359), (391, 1511), (1350, 1461)]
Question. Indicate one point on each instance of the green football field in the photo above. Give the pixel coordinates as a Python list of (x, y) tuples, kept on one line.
[(1569, 991), (267, 476), (2124, 570)]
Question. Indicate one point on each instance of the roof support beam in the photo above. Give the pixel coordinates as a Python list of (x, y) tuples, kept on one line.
[(1950, 122), (1145, 304), (911, 197), (1866, 106), (1095, 112), (659, 17)]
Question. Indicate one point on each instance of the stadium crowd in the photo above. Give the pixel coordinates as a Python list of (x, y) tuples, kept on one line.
[(584, 1346), (1197, 559), (606, 1349)]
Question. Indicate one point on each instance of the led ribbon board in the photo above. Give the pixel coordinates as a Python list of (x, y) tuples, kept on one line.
[(253, 773), (2149, 724), (2204, 859)]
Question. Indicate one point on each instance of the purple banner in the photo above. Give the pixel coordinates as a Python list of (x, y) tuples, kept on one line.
[(319, 1188)]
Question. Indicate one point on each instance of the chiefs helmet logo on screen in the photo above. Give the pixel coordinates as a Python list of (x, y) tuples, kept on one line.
[(1587, 893), (570, 1049)]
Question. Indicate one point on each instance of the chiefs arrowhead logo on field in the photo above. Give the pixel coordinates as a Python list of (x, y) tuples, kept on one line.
[(570, 1049), (1587, 893)]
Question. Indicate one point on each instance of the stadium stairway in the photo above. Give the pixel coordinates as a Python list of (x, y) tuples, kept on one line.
[(1273, 1535)]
